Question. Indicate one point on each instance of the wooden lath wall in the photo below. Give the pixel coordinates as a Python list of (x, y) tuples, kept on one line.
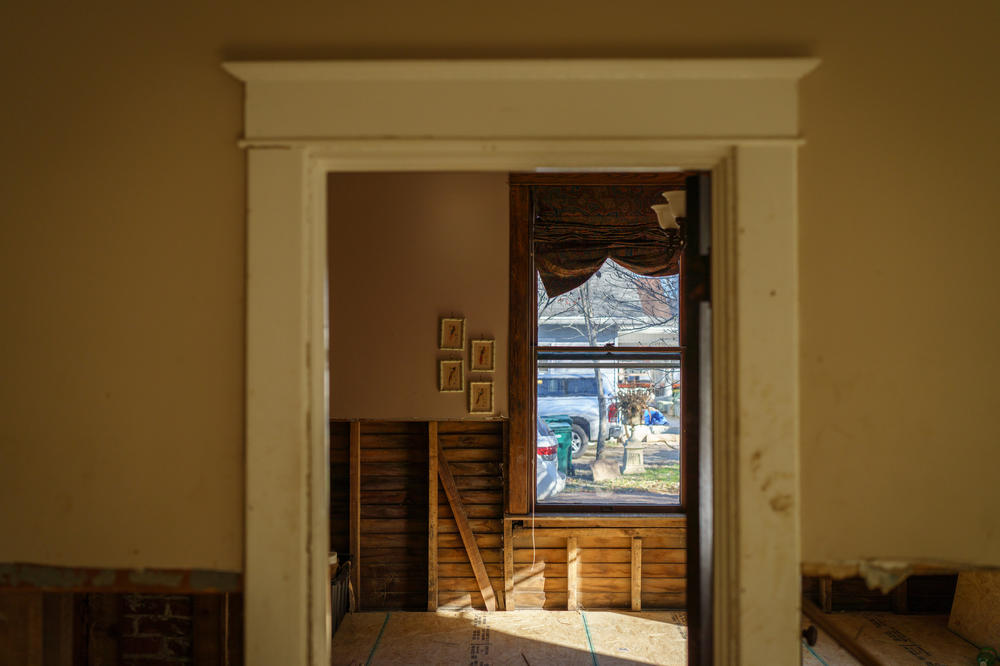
[(622, 562), (604, 563), (474, 450), (391, 502), (340, 437)]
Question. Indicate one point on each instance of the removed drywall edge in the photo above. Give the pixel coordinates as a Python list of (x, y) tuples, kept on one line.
[(885, 574), (26, 576)]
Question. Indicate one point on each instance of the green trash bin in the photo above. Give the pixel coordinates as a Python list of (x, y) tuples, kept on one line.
[(562, 428)]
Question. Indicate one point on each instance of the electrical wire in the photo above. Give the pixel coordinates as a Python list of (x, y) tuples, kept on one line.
[(813, 653), (534, 499)]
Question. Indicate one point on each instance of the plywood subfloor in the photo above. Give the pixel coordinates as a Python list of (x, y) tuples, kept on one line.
[(611, 638), (524, 638)]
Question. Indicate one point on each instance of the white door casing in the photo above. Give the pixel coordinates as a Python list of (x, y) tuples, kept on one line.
[(737, 118)]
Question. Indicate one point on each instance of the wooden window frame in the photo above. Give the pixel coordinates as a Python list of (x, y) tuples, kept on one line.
[(523, 344)]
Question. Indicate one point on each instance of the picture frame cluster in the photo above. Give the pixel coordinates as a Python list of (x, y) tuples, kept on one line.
[(452, 371)]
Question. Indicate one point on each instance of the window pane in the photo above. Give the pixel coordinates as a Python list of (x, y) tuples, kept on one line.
[(584, 455), (615, 306)]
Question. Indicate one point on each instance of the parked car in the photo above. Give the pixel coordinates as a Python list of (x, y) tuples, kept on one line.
[(575, 395), (546, 443), (549, 480)]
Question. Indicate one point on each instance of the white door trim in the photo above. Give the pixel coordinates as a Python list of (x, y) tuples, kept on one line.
[(735, 117)]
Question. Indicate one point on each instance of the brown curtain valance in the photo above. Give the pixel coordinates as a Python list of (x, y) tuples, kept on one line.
[(577, 228)]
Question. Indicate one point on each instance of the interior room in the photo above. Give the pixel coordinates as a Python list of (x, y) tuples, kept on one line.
[(410, 246), (423, 247), (165, 438)]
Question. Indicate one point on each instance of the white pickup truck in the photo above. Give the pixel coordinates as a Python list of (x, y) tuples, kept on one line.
[(575, 395)]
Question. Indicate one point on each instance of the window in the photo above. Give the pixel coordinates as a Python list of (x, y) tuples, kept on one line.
[(601, 360)]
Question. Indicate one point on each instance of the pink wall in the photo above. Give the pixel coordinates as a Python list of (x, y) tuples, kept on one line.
[(406, 249)]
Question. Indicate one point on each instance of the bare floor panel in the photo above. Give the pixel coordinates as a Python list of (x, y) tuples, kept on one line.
[(521, 637), (611, 638)]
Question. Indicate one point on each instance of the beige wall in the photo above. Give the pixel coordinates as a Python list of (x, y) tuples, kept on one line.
[(121, 255), (405, 250)]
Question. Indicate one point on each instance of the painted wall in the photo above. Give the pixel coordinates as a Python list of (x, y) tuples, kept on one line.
[(405, 250), (122, 245)]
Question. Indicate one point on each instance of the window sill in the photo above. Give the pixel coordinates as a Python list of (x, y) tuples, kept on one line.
[(604, 519)]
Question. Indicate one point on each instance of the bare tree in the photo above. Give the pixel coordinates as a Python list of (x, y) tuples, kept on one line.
[(615, 306)]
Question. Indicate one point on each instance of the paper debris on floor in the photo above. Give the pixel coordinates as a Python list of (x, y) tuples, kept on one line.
[(906, 639)]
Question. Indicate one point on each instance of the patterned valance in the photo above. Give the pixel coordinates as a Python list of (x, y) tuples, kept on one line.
[(577, 228)]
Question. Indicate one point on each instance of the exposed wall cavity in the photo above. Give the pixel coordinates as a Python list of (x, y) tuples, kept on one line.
[(883, 575)]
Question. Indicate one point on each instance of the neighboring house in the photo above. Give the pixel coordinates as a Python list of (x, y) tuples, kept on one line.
[(625, 310)]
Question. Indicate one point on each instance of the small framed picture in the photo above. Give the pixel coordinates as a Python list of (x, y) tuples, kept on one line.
[(451, 376), (480, 397), (482, 356), (452, 333)]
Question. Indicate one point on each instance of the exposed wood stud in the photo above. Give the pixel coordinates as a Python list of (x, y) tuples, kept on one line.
[(22, 640), (432, 516), (636, 573), (104, 614), (59, 611), (572, 574), (613, 532), (826, 594), (508, 566), (465, 530), (899, 599), (355, 507), (590, 520), (208, 645)]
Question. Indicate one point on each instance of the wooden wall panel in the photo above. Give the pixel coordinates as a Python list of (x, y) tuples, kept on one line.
[(393, 548), (605, 566), (475, 455), (21, 637), (394, 495), (46, 628), (339, 484)]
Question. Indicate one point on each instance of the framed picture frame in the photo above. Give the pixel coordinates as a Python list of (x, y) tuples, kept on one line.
[(452, 334), (482, 355), (481, 397), (451, 375)]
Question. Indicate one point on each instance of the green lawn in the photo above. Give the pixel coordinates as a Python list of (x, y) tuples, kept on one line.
[(656, 479)]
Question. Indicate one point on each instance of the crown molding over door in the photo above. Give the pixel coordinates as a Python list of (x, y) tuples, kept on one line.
[(737, 118)]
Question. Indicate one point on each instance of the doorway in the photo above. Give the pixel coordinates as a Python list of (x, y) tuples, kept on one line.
[(406, 249), (737, 120)]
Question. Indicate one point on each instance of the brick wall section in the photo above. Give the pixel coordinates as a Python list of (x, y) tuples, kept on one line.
[(156, 630)]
